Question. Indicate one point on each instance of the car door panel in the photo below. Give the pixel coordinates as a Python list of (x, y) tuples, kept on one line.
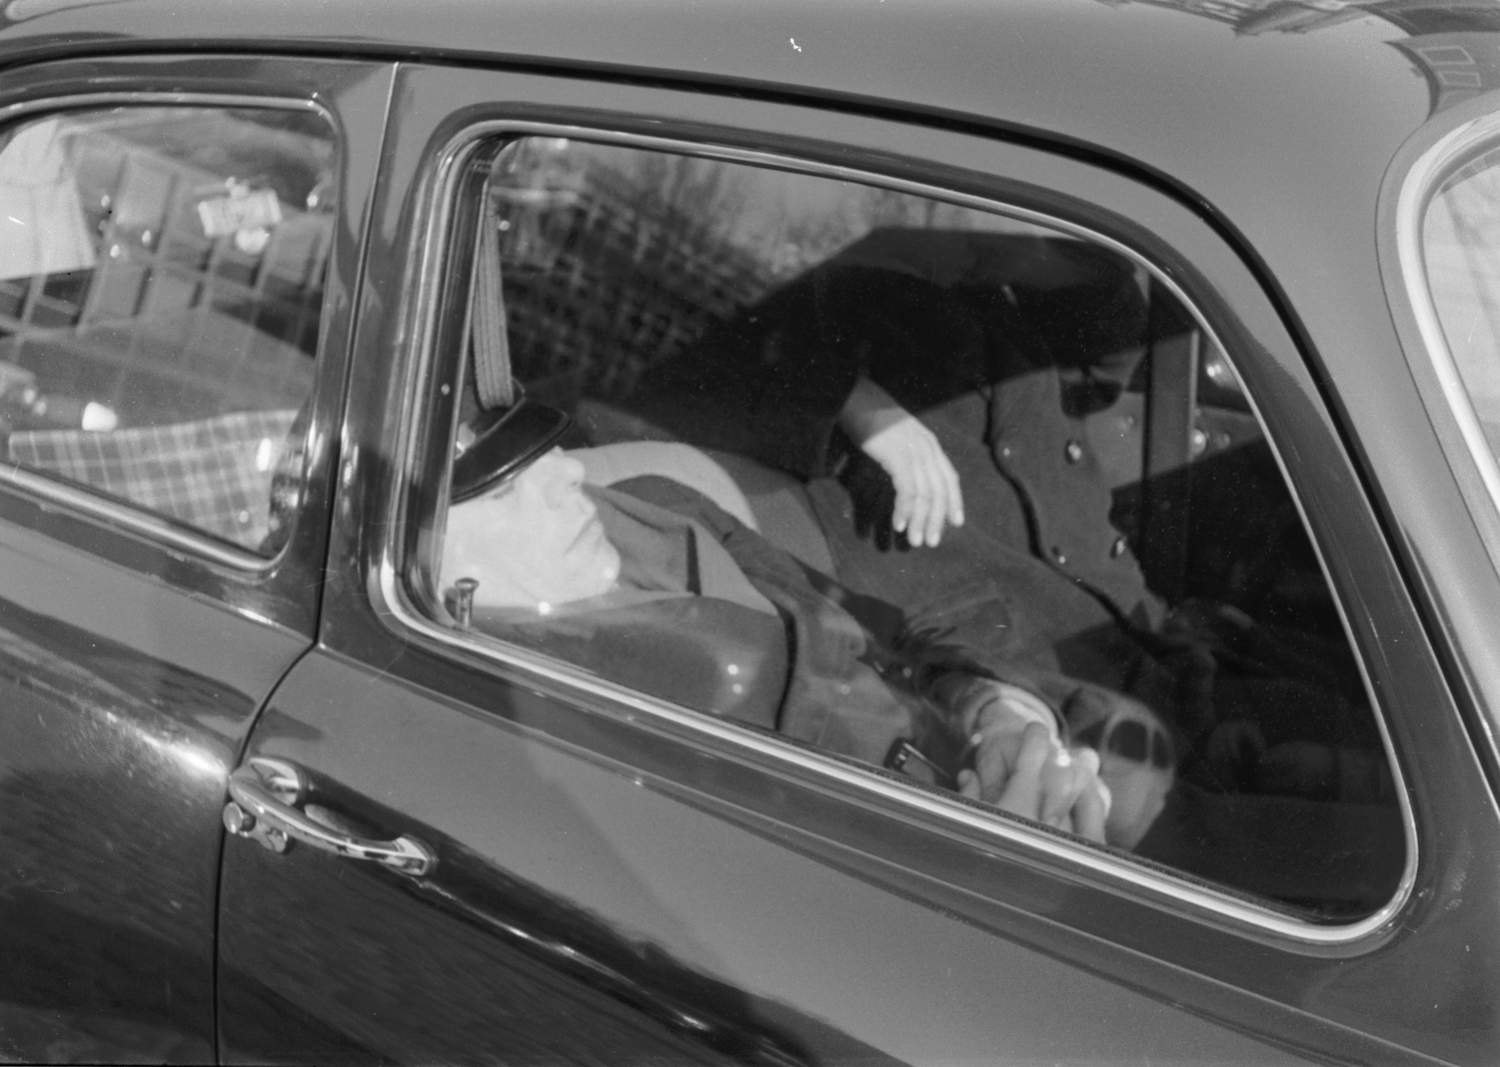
[(581, 910), (134, 656), (126, 705), (579, 833)]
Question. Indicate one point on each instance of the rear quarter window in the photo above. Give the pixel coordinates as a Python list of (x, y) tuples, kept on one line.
[(161, 289)]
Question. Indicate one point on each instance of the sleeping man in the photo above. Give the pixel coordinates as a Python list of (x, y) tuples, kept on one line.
[(544, 559)]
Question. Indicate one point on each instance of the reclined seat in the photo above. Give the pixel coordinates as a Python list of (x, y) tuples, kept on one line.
[(706, 654)]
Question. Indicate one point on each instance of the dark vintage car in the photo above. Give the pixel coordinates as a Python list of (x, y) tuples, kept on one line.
[(1200, 299)]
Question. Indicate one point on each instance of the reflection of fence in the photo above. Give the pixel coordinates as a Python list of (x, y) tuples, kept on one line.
[(601, 282), (170, 317)]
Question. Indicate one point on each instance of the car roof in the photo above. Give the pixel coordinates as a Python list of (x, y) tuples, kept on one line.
[(1267, 113), (1103, 72)]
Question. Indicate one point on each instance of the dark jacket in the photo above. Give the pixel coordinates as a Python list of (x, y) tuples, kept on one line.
[(1038, 331)]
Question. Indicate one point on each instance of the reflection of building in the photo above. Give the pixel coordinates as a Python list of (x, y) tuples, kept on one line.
[(1416, 17), (163, 319), (1454, 43), (603, 278), (1457, 65), (1267, 16)]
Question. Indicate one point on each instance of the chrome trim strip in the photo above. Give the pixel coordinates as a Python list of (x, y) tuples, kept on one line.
[(164, 98), (1411, 206), (1165, 889), (142, 522), (75, 496)]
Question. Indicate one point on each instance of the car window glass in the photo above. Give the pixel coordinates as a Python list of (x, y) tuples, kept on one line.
[(1461, 250), (161, 281), (719, 426)]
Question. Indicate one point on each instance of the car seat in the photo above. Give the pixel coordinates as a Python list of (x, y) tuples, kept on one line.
[(213, 474), (771, 502)]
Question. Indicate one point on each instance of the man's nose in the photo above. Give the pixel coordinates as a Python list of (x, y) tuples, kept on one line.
[(572, 470), (564, 477)]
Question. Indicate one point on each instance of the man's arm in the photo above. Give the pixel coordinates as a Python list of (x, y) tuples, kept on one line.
[(834, 700)]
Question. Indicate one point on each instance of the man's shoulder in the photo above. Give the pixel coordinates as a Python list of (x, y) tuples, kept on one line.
[(651, 495)]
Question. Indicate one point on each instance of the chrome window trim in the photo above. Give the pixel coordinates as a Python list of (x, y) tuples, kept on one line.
[(1415, 196), (435, 208), (75, 495), (80, 498)]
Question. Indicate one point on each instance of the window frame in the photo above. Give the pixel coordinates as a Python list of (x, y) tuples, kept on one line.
[(402, 572), (119, 513), (1441, 154)]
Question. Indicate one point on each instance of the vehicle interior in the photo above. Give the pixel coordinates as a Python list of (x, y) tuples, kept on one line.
[(693, 318), (157, 347), (622, 269)]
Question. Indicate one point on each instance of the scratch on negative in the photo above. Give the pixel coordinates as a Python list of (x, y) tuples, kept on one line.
[(387, 668)]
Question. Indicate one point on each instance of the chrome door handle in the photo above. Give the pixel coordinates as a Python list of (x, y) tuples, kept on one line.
[(261, 809)]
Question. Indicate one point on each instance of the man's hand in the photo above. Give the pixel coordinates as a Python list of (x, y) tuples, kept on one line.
[(1021, 766), (1033, 776), (928, 494)]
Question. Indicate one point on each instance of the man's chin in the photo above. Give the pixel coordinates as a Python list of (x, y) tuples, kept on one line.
[(610, 563), (597, 575)]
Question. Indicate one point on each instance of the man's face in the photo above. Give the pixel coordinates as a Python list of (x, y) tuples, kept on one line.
[(535, 541)]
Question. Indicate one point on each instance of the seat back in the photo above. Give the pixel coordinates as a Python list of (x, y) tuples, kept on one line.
[(767, 500), (212, 474), (707, 654)]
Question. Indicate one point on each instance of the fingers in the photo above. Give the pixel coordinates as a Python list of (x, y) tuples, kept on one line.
[(1092, 811), (913, 497), (927, 497), (968, 784), (1047, 784), (928, 492), (942, 498), (994, 761), (936, 516), (954, 491), (930, 506), (1022, 792), (1062, 780)]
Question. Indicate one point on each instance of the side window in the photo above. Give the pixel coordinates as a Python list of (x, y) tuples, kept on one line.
[(161, 280), (1460, 247), (967, 498)]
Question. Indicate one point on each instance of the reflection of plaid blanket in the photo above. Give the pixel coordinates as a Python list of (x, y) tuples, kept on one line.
[(213, 474)]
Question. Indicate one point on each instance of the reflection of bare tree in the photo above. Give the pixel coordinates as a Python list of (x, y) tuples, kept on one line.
[(887, 207), (704, 192), (805, 238), (1252, 18), (616, 258)]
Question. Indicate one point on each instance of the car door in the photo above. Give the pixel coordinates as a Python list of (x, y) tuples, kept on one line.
[(179, 258), (519, 859)]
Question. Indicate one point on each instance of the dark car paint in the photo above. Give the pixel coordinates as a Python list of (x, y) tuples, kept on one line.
[(1091, 927), (1280, 139), (134, 672), (1296, 183), (744, 935)]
